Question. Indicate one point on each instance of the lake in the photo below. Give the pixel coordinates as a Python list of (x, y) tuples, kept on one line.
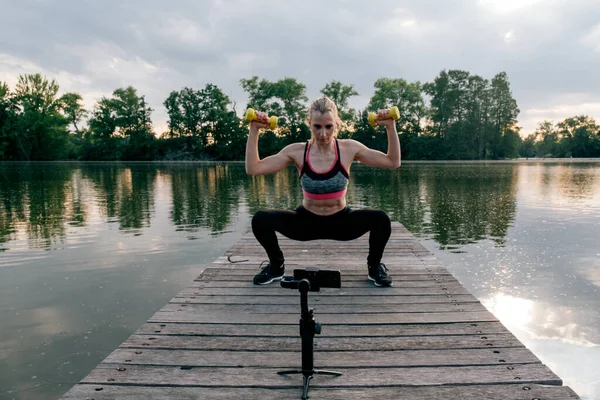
[(89, 251)]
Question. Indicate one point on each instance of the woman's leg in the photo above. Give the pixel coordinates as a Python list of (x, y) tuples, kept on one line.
[(297, 225), (352, 224)]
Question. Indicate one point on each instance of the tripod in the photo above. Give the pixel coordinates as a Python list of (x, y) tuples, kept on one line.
[(308, 329)]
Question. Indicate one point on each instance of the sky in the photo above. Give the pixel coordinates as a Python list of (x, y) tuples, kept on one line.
[(550, 49)]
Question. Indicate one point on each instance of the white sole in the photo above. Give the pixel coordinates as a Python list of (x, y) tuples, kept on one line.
[(271, 281), (376, 284)]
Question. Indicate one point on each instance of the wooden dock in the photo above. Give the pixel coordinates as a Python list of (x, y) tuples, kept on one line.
[(225, 338)]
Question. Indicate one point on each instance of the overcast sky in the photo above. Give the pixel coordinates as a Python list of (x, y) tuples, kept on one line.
[(549, 48)]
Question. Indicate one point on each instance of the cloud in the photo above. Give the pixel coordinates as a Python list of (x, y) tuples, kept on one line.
[(549, 48), (592, 39)]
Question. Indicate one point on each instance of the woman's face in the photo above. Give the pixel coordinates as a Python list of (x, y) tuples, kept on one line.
[(322, 127)]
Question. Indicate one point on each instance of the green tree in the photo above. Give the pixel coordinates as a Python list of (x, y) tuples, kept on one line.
[(193, 112), (527, 148), (441, 103), (205, 116), (504, 112), (72, 107), (547, 144), (408, 97), (40, 132), (477, 115), (579, 137), (259, 93), (285, 98), (8, 112), (340, 93), (121, 127)]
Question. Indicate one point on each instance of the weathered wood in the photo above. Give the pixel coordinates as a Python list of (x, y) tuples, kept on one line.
[(308, 261), (193, 309), (291, 330), (272, 291), (346, 359), (222, 337), (352, 377), (365, 283), (364, 343), (405, 266), (516, 391), (242, 273), (316, 300), (325, 319)]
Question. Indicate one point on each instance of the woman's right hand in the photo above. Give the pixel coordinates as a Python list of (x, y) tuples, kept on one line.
[(262, 121)]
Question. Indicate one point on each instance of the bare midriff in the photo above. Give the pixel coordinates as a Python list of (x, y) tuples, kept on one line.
[(324, 207)]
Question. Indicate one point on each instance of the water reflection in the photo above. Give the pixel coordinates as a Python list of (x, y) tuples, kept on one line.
[(34, 204), (204, 197), (564, 337), (124, 194), (455, 205), (545, 321)]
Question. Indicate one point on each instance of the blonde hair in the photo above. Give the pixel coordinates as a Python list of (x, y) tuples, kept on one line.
[(324, 105)]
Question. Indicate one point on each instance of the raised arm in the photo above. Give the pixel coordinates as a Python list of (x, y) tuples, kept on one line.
[(376, 158), (268, 165)]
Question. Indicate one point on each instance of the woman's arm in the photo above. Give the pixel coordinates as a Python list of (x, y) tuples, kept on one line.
[(376, 158), (268, 165)]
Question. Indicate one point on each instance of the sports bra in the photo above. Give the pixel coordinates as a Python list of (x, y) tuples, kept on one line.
[(331, 184)]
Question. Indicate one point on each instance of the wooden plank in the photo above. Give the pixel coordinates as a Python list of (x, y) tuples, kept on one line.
[(325, 319), (307, 261), (341, 359), (271, 291), (364, 283), (365, 343), (515, 391), (352, 377), (397, 266), (191, 310), (316, 300), (291, 330), (242, 273)]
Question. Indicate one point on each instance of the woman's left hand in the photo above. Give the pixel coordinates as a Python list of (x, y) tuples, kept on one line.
[(384, 120)]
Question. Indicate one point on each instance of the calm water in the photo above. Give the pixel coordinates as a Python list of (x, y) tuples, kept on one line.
[(88, 252)]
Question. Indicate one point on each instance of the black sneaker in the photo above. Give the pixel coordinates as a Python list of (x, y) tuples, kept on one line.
[(268, 274), (379, 275)]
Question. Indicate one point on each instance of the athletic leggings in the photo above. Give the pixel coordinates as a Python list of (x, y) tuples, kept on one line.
[(304, 225)]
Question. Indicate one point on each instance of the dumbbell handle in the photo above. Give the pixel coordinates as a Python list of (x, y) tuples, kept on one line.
[(252, 116), (393, 113)]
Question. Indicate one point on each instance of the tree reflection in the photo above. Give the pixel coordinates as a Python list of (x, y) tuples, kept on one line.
[(124, 193), (472, 203), (452, 203), (279, 191), (205, 196), (34, 202)]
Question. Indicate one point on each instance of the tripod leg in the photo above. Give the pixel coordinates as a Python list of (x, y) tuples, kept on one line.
[(288, 372), (305, 382), (323, 372)]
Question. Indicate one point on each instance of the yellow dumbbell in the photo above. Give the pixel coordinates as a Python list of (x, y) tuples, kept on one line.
[(251, 116), (393, 113)]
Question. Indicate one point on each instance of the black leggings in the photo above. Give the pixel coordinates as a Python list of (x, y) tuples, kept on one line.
[(303, 225)]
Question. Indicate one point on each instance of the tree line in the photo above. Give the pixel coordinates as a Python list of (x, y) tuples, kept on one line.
[(457, 116)]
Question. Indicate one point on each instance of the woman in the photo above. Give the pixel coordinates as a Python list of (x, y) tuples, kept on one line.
[(323, 164)]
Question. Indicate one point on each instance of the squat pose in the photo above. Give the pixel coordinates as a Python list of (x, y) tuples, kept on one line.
[(323, 164)]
